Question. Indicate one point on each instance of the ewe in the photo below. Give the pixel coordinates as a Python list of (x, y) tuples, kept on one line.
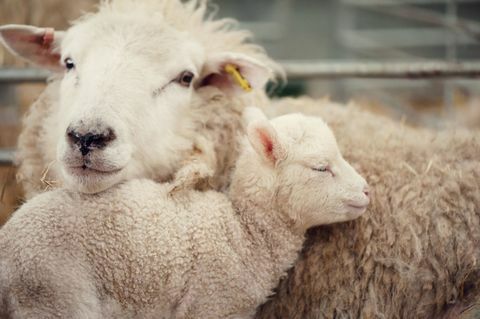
[(416, 253), (130, 82), (195, 255)]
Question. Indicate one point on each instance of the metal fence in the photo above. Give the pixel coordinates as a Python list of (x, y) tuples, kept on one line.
[(305, 70)]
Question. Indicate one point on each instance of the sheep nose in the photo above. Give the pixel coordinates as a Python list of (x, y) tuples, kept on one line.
[(90, 141)]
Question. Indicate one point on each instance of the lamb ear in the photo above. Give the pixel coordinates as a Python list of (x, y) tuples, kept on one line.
[(251, 114), (264, 140), (37, 45), (250, 74)]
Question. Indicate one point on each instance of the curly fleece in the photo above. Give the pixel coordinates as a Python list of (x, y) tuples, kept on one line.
[(416, 251)]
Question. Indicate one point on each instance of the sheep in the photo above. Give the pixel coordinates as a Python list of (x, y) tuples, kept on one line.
[(129, 83), (416, 252), (196, 255)]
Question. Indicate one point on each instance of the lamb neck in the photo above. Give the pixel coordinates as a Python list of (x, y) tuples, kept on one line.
[(273, 243)]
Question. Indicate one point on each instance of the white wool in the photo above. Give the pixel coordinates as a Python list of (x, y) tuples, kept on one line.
[(190, 255)]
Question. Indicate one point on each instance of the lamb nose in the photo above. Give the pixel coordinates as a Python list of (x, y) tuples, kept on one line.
[(90, 141), (366, 190)]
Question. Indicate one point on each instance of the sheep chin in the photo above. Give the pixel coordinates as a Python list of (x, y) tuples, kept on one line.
[(89, 180)]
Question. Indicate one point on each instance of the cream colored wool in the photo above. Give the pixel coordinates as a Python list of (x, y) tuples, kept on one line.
[(154, 118), (192, 255), (416, 252)]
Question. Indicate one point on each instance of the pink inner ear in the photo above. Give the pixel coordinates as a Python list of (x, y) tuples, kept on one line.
[(48, 38), (46, 54), (220, 80), (36, 46), (267, 144), (45, 39)]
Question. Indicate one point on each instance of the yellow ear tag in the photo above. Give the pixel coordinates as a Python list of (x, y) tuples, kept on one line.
[(238, 77)]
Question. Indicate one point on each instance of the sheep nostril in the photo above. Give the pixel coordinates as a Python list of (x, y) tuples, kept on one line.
[(72, 136), (109, 136)]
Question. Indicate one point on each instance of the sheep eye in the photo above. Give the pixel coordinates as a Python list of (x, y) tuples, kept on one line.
[(69, 64), (185, 78)]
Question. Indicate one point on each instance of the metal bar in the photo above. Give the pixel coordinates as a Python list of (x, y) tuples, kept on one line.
[(324, 69), (451, 54), (399, 2), (408, 70), (6, 157), (18, 75)]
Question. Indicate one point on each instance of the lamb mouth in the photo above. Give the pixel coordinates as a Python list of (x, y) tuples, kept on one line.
[(358, 206), (357, 209)]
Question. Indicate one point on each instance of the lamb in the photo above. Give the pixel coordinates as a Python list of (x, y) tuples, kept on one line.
[(196, 255), (416, 252), (130, 93)]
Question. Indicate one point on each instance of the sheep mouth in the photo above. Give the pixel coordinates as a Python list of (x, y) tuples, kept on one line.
[(85, 170)]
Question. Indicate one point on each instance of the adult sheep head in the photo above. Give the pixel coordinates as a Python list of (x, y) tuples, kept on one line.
[(130, 74)]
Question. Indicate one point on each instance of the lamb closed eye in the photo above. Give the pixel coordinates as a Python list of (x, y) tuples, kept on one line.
[(321, 169)]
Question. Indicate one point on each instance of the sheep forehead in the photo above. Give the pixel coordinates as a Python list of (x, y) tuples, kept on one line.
[(194, 17), (152, 39)]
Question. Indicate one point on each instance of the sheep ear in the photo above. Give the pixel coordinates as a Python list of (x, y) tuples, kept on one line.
[(264, 140), (37, 45), (234, 73)]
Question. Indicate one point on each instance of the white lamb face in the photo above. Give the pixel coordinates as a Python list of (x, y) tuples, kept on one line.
[(125, 96), (312, 181)]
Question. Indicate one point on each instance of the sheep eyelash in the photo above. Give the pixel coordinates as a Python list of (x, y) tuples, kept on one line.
[(157, 92)]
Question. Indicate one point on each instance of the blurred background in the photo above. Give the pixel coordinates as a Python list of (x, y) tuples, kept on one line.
[(413, 60)]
